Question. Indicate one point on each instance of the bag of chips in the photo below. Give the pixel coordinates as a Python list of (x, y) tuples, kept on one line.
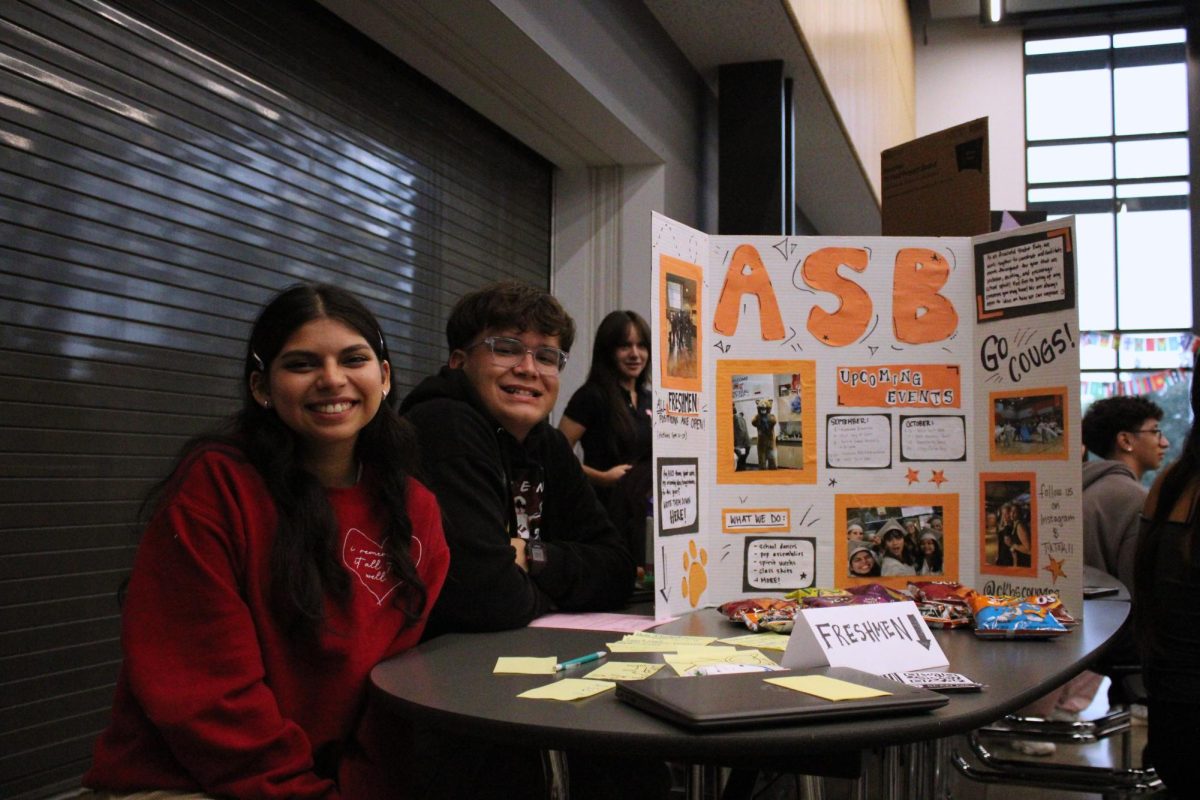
[(941, 592), (944, 615), (761, 614), (1051, 603), (1001, 617)]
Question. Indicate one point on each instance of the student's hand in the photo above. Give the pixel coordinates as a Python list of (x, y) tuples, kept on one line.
[(518, 544), (611, 476)]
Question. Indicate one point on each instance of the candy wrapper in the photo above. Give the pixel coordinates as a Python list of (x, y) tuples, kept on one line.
[(943, 604), (1012, 618), (883, 593), (761, 614), (813, 591), (775, 620), (734, 608), (941, 592), (944, 615), (846, 600)]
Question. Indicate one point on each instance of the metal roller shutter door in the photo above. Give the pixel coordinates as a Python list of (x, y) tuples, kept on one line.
[(164, 169)]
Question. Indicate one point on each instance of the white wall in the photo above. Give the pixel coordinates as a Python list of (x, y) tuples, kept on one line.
[(872, 82), (965, 72), (619, 55)]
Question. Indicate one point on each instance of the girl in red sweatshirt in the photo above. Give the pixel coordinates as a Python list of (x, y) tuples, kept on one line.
[(284, 558)]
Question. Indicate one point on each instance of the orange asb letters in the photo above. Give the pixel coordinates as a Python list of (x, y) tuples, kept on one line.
[(920, 314), (747, 275), (850, 321)]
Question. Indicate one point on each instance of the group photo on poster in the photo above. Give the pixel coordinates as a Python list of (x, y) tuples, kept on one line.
[(679, 332), (1008, 537), (1029, 424), (886, 541)]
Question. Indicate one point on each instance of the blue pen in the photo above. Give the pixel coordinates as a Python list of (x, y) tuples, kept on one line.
[(575, 662)]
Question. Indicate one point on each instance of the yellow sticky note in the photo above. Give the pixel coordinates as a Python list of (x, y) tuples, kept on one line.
[(714, 650), (522, 665), (687, 663), (763, 641), (826, 687), (667, 638), (645, 642), (568, 689), (624, 671), (642, 647)]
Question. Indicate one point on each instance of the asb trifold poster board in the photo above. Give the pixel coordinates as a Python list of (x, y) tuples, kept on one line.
[(812, 395)]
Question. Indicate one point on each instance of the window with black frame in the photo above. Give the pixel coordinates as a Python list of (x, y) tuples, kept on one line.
[(1106, 138)]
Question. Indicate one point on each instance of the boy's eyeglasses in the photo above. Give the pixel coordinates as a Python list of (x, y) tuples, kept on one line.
[(508, 352)]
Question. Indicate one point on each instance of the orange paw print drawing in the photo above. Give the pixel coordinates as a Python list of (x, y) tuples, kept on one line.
[(695, 579)]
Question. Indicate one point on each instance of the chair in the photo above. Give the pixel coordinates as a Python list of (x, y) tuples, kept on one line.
[(977, 763)]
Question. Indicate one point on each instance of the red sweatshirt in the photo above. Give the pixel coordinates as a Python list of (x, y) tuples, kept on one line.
[(212, 695)]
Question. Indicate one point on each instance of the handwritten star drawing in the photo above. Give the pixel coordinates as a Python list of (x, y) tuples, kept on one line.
[(913, 476), (1055, 568), (833, 481), (939, 477)]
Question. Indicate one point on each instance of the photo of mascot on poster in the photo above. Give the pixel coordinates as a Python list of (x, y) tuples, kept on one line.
[(830, 411)]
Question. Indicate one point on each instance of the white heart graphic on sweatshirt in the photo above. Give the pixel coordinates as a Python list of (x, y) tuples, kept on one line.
[(366, 558)]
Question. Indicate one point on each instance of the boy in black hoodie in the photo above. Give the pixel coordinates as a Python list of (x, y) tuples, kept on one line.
[(526, 533)]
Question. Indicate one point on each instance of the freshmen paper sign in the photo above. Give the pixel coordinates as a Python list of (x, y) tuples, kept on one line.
[(880, 638)]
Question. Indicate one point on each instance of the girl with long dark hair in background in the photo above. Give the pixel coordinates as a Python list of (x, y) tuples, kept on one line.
[(610, 416), (610, 413)]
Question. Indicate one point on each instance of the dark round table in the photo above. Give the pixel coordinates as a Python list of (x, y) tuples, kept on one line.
[(448, 683)]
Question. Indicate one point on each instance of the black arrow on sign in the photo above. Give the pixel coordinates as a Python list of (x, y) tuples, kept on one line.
[(921, 637)]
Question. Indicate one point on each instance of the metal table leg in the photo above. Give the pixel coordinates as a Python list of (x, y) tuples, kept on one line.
[(558, 778)]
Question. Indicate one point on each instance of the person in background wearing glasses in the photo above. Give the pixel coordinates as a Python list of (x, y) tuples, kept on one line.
[(1124, 431), (526, 533)]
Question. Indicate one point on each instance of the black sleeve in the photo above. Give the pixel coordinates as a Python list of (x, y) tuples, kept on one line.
[(485, 590), (586, 406), (589, 567), (589, 408)]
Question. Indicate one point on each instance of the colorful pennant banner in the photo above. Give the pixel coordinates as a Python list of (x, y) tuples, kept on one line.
[(1145, 384), (1182, 343)]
